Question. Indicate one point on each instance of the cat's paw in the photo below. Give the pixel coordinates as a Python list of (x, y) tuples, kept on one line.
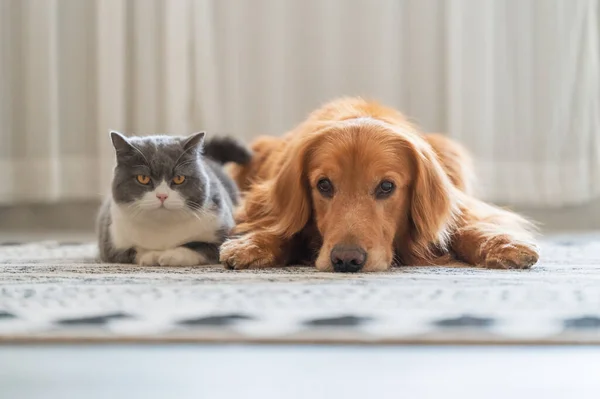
[(181, 257), (504, 253), (244, 253), (148, 258)]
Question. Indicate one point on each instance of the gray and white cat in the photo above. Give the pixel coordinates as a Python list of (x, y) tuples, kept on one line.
[(171, 205)]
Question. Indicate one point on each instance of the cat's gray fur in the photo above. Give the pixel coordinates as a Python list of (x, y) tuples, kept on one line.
[(187, 229)]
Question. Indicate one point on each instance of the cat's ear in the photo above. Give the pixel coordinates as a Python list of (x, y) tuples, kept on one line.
[(195, 140), (120, 142)]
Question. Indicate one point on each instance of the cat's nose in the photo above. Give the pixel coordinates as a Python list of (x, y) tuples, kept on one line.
[(162, 197)]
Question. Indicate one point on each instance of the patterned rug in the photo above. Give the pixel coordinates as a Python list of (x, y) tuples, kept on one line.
[(57, 292)]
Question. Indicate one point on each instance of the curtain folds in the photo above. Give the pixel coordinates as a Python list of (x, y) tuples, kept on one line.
[(516, 81)]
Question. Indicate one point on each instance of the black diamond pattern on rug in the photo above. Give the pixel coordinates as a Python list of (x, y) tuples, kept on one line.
[(343, 321), (5, 315), (223, 320), (465, 321), (587, 322), (93, 321)]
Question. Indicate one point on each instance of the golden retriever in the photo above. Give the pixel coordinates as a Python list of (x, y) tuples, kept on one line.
[(356, 187)]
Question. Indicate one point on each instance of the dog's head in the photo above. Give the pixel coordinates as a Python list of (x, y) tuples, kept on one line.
[(373, 190)]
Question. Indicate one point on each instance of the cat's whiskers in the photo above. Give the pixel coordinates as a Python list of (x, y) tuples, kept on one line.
[(135, 210), (198, 213), (133, 206), (186, 162), (138, 207), (196, 206), (195, 211)]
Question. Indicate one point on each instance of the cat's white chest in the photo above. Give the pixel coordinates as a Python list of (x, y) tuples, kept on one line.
[(162, 233)]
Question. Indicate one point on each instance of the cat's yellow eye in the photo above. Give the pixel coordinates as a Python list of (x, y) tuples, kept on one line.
[(178, 179), (143, 179)]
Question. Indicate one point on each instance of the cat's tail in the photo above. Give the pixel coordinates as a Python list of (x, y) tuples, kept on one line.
[(227, 149)]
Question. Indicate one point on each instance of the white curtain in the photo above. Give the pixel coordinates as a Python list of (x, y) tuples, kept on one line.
[(517, 81)]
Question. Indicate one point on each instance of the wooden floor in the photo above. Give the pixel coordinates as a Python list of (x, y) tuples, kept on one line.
[(277, 372)]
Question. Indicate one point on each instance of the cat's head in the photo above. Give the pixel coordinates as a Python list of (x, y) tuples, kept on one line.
[(160, 174)]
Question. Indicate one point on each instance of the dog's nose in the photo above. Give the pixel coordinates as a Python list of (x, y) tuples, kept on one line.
[(347, 259)]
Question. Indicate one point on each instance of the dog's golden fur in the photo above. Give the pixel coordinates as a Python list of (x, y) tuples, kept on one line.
[(431, 217)]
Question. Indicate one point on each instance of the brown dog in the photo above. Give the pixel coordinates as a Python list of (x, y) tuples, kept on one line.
[(357, 187)]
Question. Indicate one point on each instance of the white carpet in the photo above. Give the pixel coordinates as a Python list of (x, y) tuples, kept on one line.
[(52, 292)]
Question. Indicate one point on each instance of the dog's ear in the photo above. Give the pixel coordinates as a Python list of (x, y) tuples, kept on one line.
[(282, 206), (434, 200)]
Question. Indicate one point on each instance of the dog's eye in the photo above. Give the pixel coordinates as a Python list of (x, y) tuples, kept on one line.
[(325, 187), (385, 189)]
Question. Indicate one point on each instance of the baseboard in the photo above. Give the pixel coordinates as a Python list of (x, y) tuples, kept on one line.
[(574, 218), (77, 216)]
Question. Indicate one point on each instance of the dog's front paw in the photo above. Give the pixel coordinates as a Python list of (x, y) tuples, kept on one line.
[(244, 253), (147, 258), (504, 253), (181, 257)]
